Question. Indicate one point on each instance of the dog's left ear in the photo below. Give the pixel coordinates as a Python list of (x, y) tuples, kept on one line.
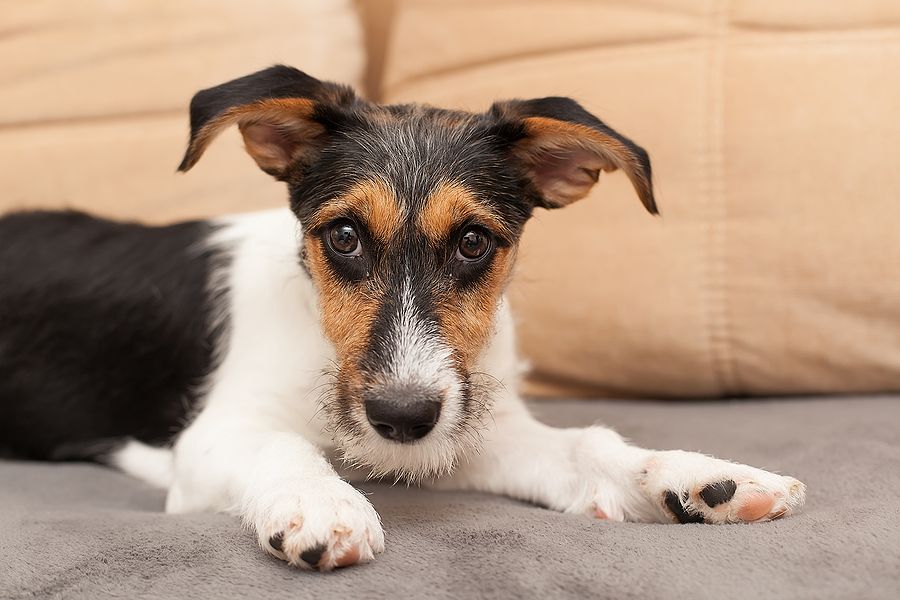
[(279, 111), (563, 148)]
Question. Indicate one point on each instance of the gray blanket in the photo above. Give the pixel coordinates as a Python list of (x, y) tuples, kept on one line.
[(82, 531)]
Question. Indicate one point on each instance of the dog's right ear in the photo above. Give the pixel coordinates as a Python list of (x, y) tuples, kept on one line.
[(277, 111)]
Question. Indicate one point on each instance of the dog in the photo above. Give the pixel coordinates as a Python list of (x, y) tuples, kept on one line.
[(254, 364)]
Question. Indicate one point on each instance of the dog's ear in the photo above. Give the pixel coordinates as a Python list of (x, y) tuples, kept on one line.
[(563, 148), (278, 111)]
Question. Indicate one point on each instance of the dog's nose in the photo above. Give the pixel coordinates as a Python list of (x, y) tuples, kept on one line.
[(403, 414)]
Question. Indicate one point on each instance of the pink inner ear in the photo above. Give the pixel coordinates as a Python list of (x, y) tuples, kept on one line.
[(564, 176), (270, 148)]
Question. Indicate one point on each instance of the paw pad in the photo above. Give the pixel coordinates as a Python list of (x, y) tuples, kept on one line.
[(718, 493), (313, 555), (756, 506), (685, 487)]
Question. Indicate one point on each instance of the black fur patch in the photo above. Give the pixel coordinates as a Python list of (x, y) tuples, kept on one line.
[(106, 331), (415, 149), (279, 81)]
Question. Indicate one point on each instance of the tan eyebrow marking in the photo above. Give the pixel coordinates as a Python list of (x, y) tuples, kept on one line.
[(373, 201), (450, 205)]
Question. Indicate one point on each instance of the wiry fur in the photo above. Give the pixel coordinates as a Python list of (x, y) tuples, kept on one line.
[(366, 323)]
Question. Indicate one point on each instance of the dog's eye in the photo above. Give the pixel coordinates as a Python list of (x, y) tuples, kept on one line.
[(474, 244), (343, 239)]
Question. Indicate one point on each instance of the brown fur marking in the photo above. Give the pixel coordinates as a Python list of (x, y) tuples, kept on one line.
[(451, 205), (467, 316), (348, 311), (373, 201)]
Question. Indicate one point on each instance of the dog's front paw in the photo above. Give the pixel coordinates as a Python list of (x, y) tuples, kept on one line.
[(316, 523), (692, 488)]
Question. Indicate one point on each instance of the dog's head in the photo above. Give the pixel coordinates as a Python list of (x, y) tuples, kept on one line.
[(411, 218)]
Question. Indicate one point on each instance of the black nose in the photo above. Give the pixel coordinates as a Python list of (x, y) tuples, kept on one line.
[(403, 414)]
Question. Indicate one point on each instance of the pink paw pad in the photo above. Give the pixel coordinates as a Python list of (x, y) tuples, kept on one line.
[(756, 506)]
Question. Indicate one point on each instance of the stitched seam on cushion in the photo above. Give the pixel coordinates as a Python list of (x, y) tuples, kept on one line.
[(655, 46), (717, 326), (831, 31), (705, 192), (836, 44), (648, 45), (64, 121), (723, 333)]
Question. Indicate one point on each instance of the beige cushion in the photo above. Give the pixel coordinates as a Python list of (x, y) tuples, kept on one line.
[(93, 112), (775, 137)]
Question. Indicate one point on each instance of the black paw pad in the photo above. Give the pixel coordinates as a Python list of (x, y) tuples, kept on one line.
[(277, 541), (313, 555), (718, 493), (676, 505)]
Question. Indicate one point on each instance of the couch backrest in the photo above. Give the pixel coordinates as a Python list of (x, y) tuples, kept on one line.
[(772, 126), (93, 112), (774, 132)]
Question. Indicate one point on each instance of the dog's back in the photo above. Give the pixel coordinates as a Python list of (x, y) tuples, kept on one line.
[(105, 331)]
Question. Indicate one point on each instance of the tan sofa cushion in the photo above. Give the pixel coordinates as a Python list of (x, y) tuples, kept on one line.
[(774, 131), (93, 112)]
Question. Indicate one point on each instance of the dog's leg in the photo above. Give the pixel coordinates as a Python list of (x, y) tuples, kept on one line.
[(280, 485), (593, 471)]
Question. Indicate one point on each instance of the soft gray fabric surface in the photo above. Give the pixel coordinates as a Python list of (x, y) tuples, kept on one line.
[(83, 531)]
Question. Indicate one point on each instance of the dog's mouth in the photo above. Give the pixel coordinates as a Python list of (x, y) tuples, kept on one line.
[(407, 430)]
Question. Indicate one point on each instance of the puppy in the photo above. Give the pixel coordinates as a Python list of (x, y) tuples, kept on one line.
[(240, 361)]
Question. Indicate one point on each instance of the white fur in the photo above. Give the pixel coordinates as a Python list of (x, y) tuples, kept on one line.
[(419, 356), (257, 447), (150, 464)]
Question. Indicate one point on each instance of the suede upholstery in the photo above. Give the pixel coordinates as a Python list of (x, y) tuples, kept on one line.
[(84, 531), (93, 113), (774, 136)]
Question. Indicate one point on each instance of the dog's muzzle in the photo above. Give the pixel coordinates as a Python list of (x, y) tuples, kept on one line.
[(403, 413)]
